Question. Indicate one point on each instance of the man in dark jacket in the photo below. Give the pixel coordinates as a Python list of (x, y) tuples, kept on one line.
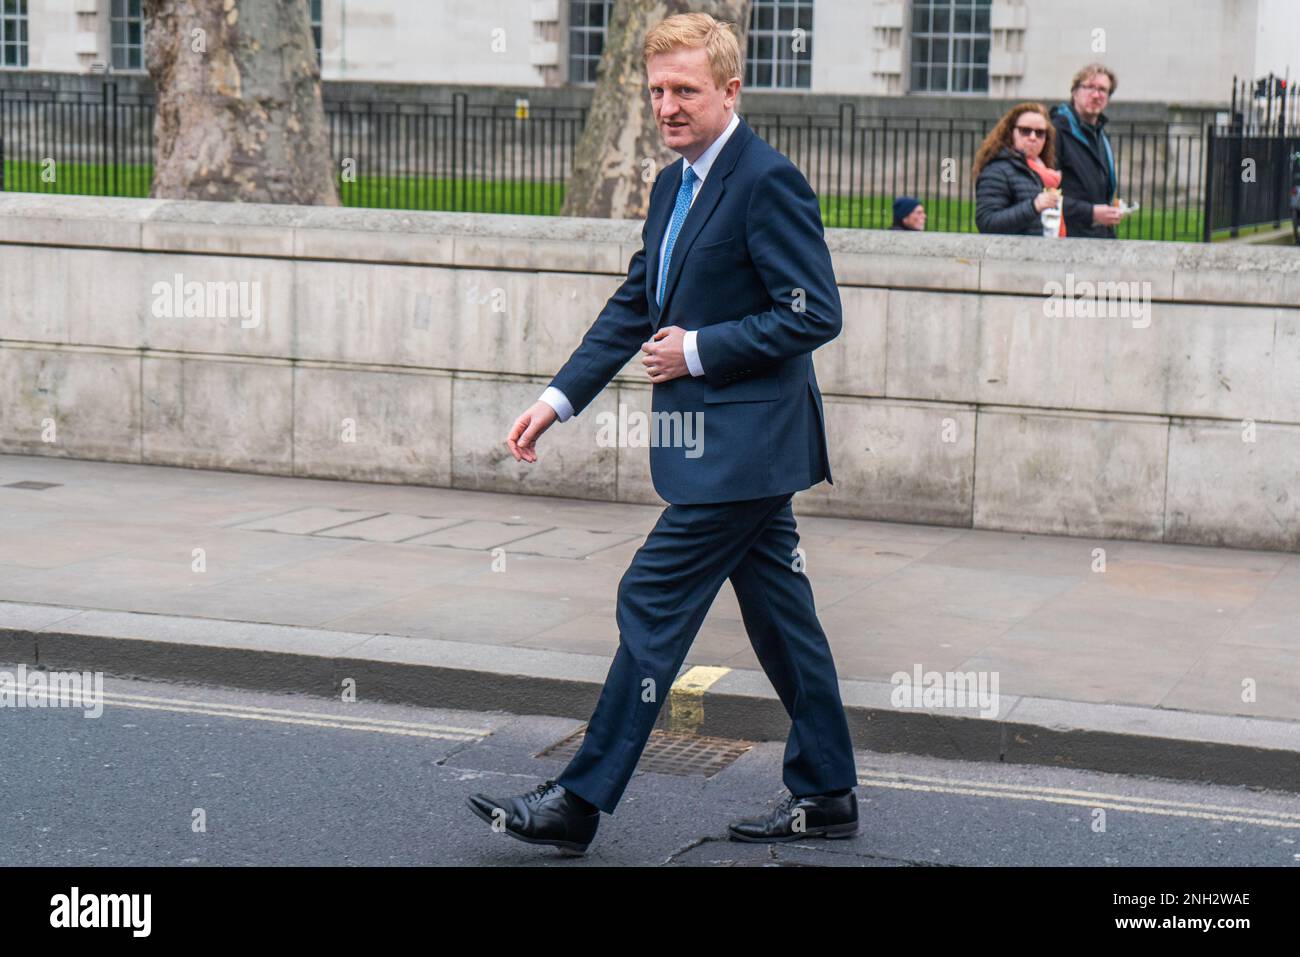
[(1085, 157)]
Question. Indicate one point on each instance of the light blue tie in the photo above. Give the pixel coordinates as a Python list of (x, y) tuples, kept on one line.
[(679, 216)]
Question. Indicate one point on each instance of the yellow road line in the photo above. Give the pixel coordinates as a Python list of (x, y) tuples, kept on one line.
[(450, 729), (686, 698), (1072, 792), (307, 719), (1033, 795)]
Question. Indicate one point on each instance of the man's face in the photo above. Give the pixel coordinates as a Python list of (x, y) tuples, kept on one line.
[(1092, 96), (915, 219), (690, 109)]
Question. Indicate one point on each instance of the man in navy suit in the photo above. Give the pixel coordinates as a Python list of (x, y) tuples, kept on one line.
[(731, 292)]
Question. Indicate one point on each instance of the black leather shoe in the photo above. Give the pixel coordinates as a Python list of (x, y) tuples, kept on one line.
[(547, 814), (794, 819)]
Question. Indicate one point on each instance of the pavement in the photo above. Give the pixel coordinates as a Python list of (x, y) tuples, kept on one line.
[(1121, 656), (1283, 236)]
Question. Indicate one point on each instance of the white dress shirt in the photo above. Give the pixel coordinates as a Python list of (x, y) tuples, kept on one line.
[(557, 399)]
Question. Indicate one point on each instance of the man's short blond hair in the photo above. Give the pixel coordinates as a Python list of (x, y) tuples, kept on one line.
[(1091, 70), (698, 30)]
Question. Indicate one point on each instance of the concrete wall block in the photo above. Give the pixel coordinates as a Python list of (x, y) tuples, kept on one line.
[(933, 346), (86, 404), (77, 296), (571, 302), (65, 220), (853, 268), (360, 245), (214, 237), (1284, 390), (372, 426), (1071, 474), (202, 413), (222, 305), (1228, 362), (1034, 353), (1261, 275), (1235, 484), (1027, 264), (853, 363), (427, 317), (1178, 359), (498, 252), (569, 462), (897, 462)]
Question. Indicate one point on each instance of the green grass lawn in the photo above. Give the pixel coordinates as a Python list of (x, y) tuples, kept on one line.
[(545, 199), (436, 193), (81, 179)]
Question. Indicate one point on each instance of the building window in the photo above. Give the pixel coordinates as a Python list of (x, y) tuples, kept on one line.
[(13, 33), (950, 46), (779, 49), (127, 25), (588, 20), (316, 27)]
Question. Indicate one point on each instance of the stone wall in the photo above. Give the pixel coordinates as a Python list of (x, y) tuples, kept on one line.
[(395, 346)]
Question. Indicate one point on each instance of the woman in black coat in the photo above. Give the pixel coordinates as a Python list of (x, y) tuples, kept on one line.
[(1014, 176)]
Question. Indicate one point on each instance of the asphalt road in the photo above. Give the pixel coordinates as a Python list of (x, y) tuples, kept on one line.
[(178, 774)]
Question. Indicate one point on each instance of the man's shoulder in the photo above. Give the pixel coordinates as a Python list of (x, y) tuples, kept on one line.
[(762, 158), (761, 163)]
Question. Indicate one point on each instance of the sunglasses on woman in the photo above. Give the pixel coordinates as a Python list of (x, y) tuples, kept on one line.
[(1028, 131)]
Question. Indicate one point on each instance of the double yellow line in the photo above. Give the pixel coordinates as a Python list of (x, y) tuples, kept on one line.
[(1078, 798), (313, 719), (687, 713)]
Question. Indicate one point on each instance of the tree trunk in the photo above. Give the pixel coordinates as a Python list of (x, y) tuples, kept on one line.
[(239, 114), (621, 151)]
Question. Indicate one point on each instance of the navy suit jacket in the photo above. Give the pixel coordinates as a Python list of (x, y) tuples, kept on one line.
[(752, 240)]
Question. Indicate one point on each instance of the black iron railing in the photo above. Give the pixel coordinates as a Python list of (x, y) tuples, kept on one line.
[(455, 155)]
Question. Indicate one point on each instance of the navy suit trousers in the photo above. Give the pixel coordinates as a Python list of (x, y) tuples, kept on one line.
[(662, 600)]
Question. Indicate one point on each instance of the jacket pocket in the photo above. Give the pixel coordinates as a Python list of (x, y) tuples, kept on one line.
[(745, 390), (712, 249)]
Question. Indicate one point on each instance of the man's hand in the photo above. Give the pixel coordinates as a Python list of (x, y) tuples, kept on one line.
[(665, 358), (1106, 216), (527, 428)]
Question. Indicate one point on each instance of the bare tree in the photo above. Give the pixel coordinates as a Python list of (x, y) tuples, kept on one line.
[(239, 114), (620, 151)]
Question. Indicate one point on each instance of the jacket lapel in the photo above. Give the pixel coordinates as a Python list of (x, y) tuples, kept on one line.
[(658, 215), (701, 210)]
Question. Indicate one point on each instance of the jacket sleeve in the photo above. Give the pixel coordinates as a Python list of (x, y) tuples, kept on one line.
[(615, 337), (786, 241), (1078, 210), (996, 209)]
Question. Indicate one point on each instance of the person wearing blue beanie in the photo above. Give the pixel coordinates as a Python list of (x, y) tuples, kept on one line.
[(908, 213)]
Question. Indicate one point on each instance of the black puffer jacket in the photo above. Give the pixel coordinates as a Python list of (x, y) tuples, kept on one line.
[(1005, 194)]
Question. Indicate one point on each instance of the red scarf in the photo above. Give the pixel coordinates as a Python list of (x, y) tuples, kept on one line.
[(1051, 179)]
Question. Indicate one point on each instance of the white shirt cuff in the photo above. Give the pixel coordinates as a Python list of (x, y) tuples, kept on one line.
[(558, 401), (692, 355)]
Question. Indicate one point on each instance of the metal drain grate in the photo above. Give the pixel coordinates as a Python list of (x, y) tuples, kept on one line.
[(35, 486), (668, 752)]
